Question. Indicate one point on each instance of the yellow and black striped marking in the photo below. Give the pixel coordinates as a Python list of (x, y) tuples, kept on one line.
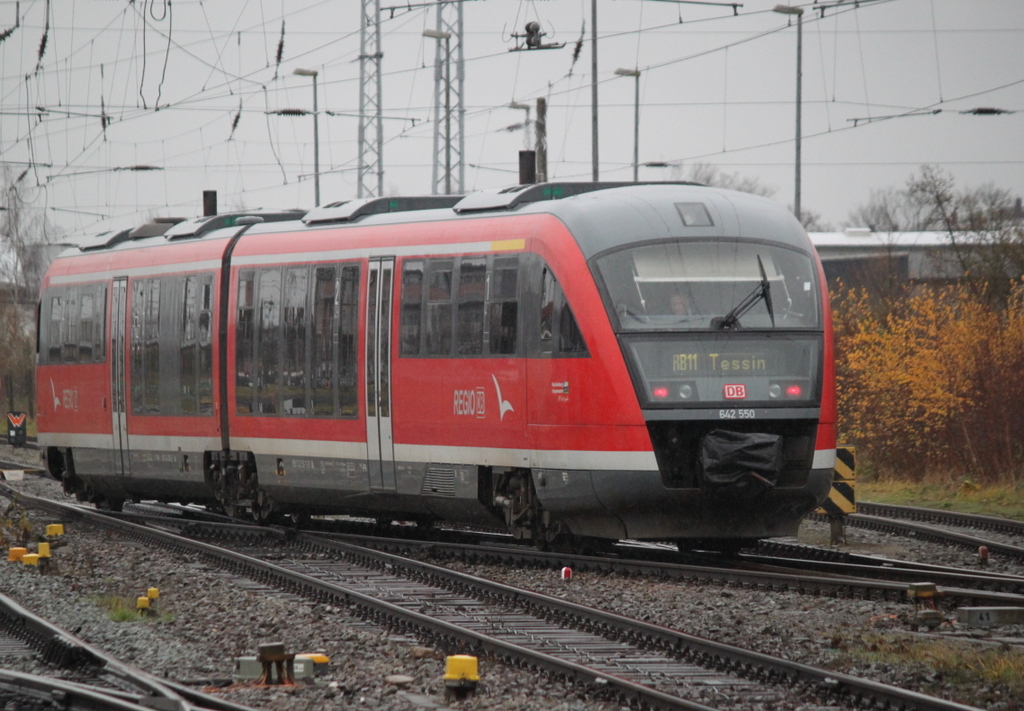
[(841, 498)]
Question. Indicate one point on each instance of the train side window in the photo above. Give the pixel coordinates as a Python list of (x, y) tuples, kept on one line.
[(54, 345), (151, 347), (86, 326), (503, 306), (439, 307), (268, 343), (245, 335), (470, 318), (547, 310), (138, 364), (570, 338), (323, 368), (559, 331), (99, 327), (71, 325), (412, 307), (348, 340), (188, 349), (205, 375), (294, 322)]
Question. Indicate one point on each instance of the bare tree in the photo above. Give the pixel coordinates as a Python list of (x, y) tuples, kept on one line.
[(708, 174), (25, 237), (983, 225)]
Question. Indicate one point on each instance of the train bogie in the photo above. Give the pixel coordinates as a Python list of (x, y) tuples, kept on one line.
[(648, 361)]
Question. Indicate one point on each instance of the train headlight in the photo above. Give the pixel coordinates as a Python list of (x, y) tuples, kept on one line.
[(774, 390), (685, 391)]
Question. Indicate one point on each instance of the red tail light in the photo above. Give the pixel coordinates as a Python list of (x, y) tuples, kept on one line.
[(660, 393)]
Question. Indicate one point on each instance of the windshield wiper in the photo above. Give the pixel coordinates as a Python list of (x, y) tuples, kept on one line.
[(761, 291)]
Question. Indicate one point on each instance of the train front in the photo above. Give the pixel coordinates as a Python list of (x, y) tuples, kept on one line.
[(728, 341)]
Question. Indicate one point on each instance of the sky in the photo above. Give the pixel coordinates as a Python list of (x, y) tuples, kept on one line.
[(190, 89)]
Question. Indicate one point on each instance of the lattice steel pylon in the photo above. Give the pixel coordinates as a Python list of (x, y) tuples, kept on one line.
[(449, 169), (371, 129)]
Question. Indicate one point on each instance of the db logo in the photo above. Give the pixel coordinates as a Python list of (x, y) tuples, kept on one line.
[(735, 392)]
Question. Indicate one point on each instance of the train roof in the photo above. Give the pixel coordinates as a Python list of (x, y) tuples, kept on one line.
[(600, 216)]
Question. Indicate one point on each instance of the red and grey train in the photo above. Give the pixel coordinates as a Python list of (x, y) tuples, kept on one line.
[(568, 360)]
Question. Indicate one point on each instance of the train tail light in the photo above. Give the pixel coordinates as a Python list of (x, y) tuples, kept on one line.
[(660, 393)]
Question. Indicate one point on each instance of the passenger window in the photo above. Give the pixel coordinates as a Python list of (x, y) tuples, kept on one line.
[(472, 284), (348, 338), (245, 333), (559, 331), (53, 337), (503, 308), (71, 326), (439, 307), (86, 326), (151, 352), (547, 310), (188, 349), (570, 339), (322, 351), (412, 307), (205, 378), (295, 341), (138, 310), (268, 343)]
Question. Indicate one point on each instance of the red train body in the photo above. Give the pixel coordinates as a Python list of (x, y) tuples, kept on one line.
[(649, 361)]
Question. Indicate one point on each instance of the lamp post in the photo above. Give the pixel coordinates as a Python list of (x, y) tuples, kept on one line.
[(636, 120), (316, 134), (446, 36), (799, 12)]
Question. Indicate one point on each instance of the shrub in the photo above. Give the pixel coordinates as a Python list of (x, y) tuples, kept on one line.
[(933, 382)]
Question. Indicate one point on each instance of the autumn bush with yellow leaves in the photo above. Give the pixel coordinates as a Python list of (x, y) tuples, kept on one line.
[(932, 383)]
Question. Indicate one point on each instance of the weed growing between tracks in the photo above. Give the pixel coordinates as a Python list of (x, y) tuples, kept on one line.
[(942, 664), (120, 609)]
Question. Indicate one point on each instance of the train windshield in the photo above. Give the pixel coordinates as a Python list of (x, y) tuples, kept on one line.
[(712, 285)]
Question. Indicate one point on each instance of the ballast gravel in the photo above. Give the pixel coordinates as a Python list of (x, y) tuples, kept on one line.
[(206, 618)]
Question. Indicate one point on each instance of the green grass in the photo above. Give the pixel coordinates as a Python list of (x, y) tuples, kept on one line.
[(121, 609), (1003, 500), (959, 663)]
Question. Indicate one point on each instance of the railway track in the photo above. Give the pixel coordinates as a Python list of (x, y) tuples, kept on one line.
[(789, 568), (111, 684), (926, 532), (611, 656), (951, 518)]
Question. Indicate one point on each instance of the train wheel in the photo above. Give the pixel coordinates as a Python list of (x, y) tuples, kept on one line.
[(263, 508), (109, 503)]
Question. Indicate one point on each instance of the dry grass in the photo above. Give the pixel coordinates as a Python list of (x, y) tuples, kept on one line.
[(1004, 500), (949, 661)]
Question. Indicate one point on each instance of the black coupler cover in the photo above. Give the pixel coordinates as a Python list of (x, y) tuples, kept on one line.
[(740, 465)]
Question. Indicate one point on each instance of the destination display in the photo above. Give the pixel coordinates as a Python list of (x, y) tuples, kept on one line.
[(731, 369)]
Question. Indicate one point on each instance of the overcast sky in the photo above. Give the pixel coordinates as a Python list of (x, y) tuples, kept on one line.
[(154, 84)]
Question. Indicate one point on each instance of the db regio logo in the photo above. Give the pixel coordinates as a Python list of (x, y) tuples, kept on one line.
[(470, 403)]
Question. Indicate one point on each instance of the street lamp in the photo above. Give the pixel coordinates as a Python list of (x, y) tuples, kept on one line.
[(636, 120), (316, 134), (446, 36), (799, 12)]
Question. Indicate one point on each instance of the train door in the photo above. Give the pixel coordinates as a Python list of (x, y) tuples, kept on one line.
[(380, 448), (118, 316)]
